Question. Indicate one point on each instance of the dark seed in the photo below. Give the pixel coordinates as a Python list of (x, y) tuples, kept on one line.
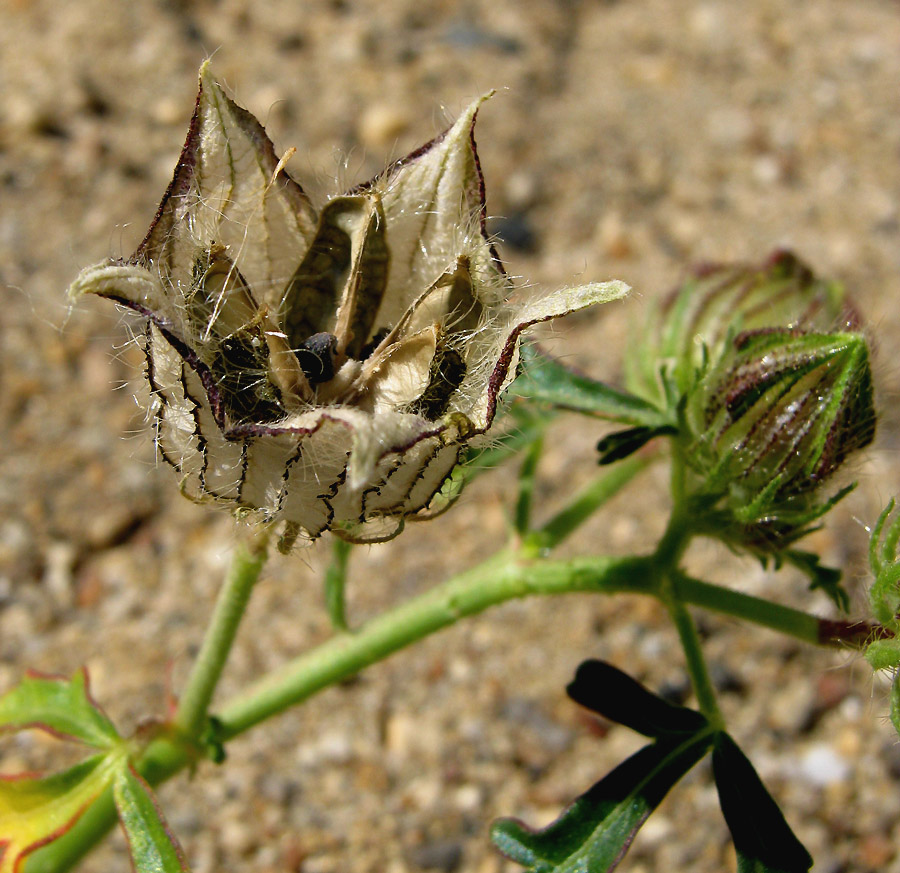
[(316, 357)]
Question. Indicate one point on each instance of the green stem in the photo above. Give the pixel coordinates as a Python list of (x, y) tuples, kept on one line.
[(671, 548), (497, 580), (522, 517), (784, 619), (696, 663), (231, 604), (598, 492), (335, 581)]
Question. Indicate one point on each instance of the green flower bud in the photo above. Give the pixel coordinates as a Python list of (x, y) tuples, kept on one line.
[(770, 421), (716, 302)]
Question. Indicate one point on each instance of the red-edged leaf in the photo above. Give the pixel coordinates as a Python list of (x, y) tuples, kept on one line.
[(34, 812), (60, 706), (153, 847)]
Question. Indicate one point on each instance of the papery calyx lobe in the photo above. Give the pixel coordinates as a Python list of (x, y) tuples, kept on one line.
[(322, 366)]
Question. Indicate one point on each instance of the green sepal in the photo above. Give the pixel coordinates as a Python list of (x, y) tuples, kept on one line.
[(822, 578), (763, 840), (60, 706), (771, 420), (718, 301), (883, 654), (777, 414), (543, 379), (153, 847)]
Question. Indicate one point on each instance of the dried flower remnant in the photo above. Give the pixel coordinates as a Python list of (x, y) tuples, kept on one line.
[(322, 368)]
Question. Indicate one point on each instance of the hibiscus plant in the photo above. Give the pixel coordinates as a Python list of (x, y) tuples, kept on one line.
[(340, 368)]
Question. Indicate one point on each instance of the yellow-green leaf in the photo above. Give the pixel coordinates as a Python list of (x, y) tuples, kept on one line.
[(34, 812)]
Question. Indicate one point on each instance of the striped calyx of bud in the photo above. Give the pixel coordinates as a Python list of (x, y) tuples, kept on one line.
[(771, 420)]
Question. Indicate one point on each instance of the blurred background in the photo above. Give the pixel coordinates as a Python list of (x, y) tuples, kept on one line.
[(627, 140)]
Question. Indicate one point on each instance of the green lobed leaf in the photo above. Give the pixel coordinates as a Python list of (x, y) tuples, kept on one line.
[(615, 695), (63, 707), (762, 838), (153, 847), (541, 378), (36, 811), (595, 832)]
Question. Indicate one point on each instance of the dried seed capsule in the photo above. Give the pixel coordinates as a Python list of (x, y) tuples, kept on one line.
[(322, 368)]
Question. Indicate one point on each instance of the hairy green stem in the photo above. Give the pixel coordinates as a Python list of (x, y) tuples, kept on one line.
[(231, 604), (335, 583), (522, 517), (671, 548), (696, 663), (499, 579), (506, 576), (598, 492), (784, 619)]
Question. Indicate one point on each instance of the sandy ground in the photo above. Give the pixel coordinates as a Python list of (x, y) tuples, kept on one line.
[(627, 140)]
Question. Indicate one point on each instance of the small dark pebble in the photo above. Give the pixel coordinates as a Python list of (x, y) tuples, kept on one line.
[(515, 231), (466, 36), (554, 737), (50, 128), (890, 754), (726, 681), (675, 691), (292, 42), (445, 855)]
